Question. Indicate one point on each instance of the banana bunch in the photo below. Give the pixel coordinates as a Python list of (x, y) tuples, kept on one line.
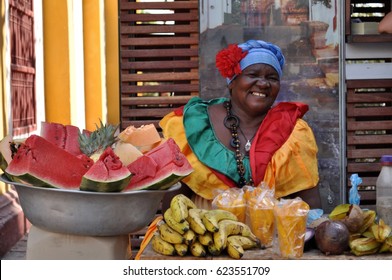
[(188, 229), (372, 237)]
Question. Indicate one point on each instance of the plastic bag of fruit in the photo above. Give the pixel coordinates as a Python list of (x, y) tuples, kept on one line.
[(290, 221), (232, 200), (260, 218)]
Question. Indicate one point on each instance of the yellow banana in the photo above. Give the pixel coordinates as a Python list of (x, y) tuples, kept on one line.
[(213, 250), (212, 218), (181, 228), (181, 249), (244, 241), (236, 244), (161, 246), (364, 246), (179, 206), (190, 237), (206, 239), (197, 249), (168, 234), (195, 222), (381, 230), (235, 250), (227, 228)]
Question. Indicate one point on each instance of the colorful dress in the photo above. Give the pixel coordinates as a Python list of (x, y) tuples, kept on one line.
[(283, 153)]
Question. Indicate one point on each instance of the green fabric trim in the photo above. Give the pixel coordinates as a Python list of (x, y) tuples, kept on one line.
[(204, 143)]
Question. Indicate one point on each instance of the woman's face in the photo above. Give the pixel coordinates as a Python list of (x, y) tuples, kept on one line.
[(255, 89)]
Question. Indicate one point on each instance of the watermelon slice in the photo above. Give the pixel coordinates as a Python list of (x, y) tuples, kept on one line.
[(43, 164), (63, 136), (108, 174), (160, 168)]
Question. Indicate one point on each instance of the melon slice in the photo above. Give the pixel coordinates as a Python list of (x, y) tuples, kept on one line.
[(43, 164), (145, 135), (108, 174), (127, 152), (63, 136), (5, 152), (160, 168)]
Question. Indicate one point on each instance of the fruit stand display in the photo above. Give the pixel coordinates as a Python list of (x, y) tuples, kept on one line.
[(65, 176)]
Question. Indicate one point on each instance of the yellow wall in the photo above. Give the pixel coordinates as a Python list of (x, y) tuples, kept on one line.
[(101, 66), (94, 62), (56, 61), (112, 61)]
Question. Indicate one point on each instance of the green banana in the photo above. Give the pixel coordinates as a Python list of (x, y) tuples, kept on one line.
[(197, 249), (195, 221), (168, 234), (179, 206), (229, 227), (212, 218), (364, 246), (161, 246), (181, 249), (181, 228)]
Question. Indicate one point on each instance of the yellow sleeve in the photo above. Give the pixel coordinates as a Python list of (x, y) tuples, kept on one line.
[(202, 180), (294, 166)]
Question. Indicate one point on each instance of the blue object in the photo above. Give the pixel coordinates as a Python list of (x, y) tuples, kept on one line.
[(314, 214), (354, 197)]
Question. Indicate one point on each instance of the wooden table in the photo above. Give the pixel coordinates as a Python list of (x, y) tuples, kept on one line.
[(267, 254)]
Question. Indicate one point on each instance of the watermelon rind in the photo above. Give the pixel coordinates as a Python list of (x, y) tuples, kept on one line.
[(159, 184), (27, 178), (99, 186), (108, 174)]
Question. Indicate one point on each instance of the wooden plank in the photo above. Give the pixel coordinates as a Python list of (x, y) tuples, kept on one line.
[(167, 76), (156, 28), (363, 167), (367, 153), (368, 111), (191, 15), (125, 122), (179, 5), (369, 97), (369, 139), (153, 53), (159, 41), (171, 64), (127, 89), (127, 101), (145, 112), (369, 83), (368, 125)]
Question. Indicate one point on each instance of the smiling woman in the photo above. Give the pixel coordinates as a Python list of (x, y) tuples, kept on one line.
[(247, 139)]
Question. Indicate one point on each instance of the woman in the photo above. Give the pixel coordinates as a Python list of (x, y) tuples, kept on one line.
[(245, 140)]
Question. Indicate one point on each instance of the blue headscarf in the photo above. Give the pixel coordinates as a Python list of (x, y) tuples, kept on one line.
[(261, 52)]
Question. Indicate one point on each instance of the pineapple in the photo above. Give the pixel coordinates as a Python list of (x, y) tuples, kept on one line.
[(94, 144)]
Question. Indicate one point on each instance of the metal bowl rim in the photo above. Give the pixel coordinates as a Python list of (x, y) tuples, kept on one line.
[(4, 178)]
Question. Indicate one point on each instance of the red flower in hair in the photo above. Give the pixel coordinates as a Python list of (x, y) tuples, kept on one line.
[(228, 61)]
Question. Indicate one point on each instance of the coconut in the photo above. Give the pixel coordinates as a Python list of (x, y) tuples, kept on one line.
[(332, 237)]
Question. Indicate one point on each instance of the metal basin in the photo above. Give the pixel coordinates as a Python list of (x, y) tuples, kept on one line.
[(89, 213)]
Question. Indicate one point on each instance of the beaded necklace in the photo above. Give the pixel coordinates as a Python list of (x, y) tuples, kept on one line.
[(232, 122)]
